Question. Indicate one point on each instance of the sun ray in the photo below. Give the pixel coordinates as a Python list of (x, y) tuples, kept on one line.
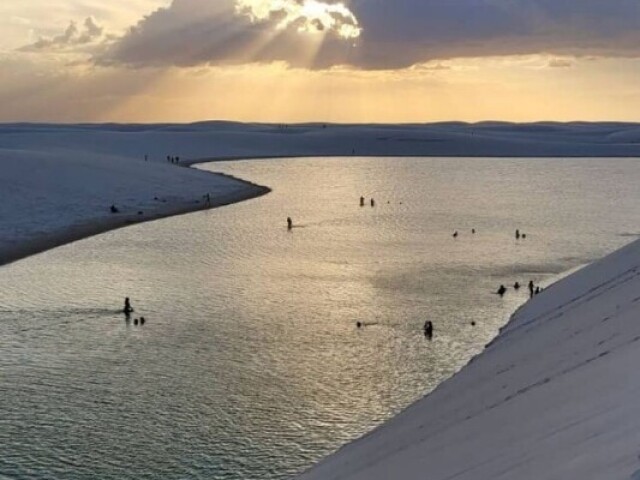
[(307, 16)]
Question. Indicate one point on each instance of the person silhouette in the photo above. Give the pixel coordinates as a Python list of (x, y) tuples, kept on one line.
[(502, 290), (517, 234), (289, 223), (362, 201), (531, 288), (428, 329), (128, 309)]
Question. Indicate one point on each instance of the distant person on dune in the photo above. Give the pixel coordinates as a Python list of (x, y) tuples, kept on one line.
[(531, 288), (289, 223)]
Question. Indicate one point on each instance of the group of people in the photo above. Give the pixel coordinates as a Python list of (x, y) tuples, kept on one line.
[(456, 234), (533, 289), (172, 159), (519, 235), (128, 310), (372, 202)]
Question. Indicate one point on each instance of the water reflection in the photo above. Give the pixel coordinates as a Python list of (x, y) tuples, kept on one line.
[(250, 364)]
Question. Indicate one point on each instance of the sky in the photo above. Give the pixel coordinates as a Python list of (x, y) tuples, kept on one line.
[(364, 61)]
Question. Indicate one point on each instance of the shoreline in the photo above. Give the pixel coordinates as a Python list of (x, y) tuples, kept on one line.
[(106, 224), (542, 389), (235, 158), (384, 450)]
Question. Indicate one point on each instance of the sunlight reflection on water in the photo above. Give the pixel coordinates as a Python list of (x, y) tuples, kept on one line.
[(250, 365)]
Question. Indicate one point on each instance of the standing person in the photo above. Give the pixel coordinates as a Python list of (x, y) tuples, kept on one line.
[(531, 288), (289, 223), (362, 201), (373, 202), (127, 306), (428, 329), (502, 290), (517, 234)]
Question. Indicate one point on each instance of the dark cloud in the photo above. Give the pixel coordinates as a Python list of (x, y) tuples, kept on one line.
[(73, 36), (395, 33)]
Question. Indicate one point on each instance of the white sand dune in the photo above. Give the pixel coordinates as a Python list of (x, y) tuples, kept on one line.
[(213, 140), (555, 396), (48, 199)]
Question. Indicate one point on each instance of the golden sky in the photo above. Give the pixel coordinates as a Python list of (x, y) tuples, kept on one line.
[(319, 60)]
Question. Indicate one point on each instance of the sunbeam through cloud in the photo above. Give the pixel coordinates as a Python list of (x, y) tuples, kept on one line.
[(309, 16)]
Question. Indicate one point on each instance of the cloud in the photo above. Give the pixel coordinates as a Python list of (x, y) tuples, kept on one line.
[(73, 36), (303, 33), (310, 16), (560, 63), (375, 34)]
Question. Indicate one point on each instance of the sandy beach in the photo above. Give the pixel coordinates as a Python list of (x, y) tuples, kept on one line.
[(50, 199), (18, 250)]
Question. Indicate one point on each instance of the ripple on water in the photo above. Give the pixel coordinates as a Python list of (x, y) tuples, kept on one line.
[(250, 364)]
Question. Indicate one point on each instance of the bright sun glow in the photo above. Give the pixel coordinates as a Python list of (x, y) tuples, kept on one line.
[(309, 16)]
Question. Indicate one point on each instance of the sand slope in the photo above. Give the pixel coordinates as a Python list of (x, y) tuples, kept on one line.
[(48, 199), (555, 396)]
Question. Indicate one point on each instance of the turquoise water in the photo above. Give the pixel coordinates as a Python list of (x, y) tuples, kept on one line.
[(250, 365)]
